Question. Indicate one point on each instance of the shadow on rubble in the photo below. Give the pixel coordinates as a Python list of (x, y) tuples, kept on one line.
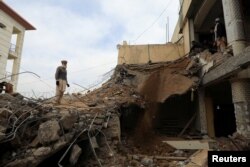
[(54, 159)]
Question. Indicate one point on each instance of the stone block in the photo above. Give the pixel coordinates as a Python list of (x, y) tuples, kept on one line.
[(75, 153), (48, 132), (68, 120)]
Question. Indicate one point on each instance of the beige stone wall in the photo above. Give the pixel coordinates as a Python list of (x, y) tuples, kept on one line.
[(176, 37), (185, 6), (183, 23), (186, 35), (5, 43), (140, 54)]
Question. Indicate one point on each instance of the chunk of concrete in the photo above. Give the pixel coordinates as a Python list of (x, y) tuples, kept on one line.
[(189, 145), (2, 136), (114, 128), (199, 158), (2, 129), (75, 153), (147, 161), (27, 162), (4, 115), (42, 151), (68, 120), (48, 132)]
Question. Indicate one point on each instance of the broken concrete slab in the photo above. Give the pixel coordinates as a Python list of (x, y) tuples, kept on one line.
[(75, 153), (189, 144), (42, 151), (114, 128), (146, 161), (2, 136), (198, 159), (68, 120), (48, 132), (27, 162), (34, 142)]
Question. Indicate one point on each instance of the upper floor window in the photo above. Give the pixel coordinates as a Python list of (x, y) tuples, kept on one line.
[(2, 25)]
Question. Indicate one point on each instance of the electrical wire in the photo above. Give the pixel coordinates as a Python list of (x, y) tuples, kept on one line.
[(153, 23)]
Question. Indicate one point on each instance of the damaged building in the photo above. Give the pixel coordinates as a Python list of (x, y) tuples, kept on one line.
[(162, 106), (223, 96), (12, 30)]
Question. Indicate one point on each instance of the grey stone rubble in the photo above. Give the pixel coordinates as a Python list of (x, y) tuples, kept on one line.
[(85, 130)]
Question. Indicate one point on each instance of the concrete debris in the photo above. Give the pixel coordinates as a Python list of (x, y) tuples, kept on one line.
[(101, 127), (198, 159), (75, 153), (191, 144), (48, 132), (147, 161), (42, 151), (68, 120)]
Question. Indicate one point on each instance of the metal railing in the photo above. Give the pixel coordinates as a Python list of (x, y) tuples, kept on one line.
[(13, 48)]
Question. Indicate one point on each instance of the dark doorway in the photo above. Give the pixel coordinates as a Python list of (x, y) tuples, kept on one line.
[(130, 116), (174, 114), (223, 109)]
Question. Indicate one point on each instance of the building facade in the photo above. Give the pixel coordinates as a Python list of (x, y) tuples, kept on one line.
[(224, 95), (12, 30)]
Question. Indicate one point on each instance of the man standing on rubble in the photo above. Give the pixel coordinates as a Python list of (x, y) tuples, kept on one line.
[(220, 35), (61, 81)]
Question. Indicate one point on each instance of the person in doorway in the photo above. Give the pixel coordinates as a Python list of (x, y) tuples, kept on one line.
[(61, 81), (7, 87), (2, 85), (220, 35)]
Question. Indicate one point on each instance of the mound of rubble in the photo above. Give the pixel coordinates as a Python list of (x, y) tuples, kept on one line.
[(87, 129)]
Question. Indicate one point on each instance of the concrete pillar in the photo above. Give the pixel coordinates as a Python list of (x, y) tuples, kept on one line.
[(241, 84), (241, 100), (234, 25), (191, 29), (17, 61), (202, 122)]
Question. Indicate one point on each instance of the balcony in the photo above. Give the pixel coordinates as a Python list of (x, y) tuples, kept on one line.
[(13, 51)]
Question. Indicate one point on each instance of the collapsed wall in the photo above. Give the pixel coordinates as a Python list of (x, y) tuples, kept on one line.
[(34, 131)]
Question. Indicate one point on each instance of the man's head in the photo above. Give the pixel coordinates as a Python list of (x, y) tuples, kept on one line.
[(217, 20), (64, 62)]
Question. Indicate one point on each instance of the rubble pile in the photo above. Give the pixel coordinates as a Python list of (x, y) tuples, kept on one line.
[(85, 130), (33, 131)]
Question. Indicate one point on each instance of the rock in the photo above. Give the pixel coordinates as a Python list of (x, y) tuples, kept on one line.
[(34, 143), (2, 136), (114, 129), (59, 144), (179, 153), (247, 49), (75, 153), (94, 142), (48, 132), (147, 161), (68, 120), (27, 162), (2, 129), (134, 163), (42, 151), (4, 115), (98, 121), (136, 157)]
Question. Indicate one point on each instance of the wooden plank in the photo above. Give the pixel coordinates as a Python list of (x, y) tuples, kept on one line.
[(198, 159), (188, 144), (231, 66), (209, 116), (170, 158), (188, 124)]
